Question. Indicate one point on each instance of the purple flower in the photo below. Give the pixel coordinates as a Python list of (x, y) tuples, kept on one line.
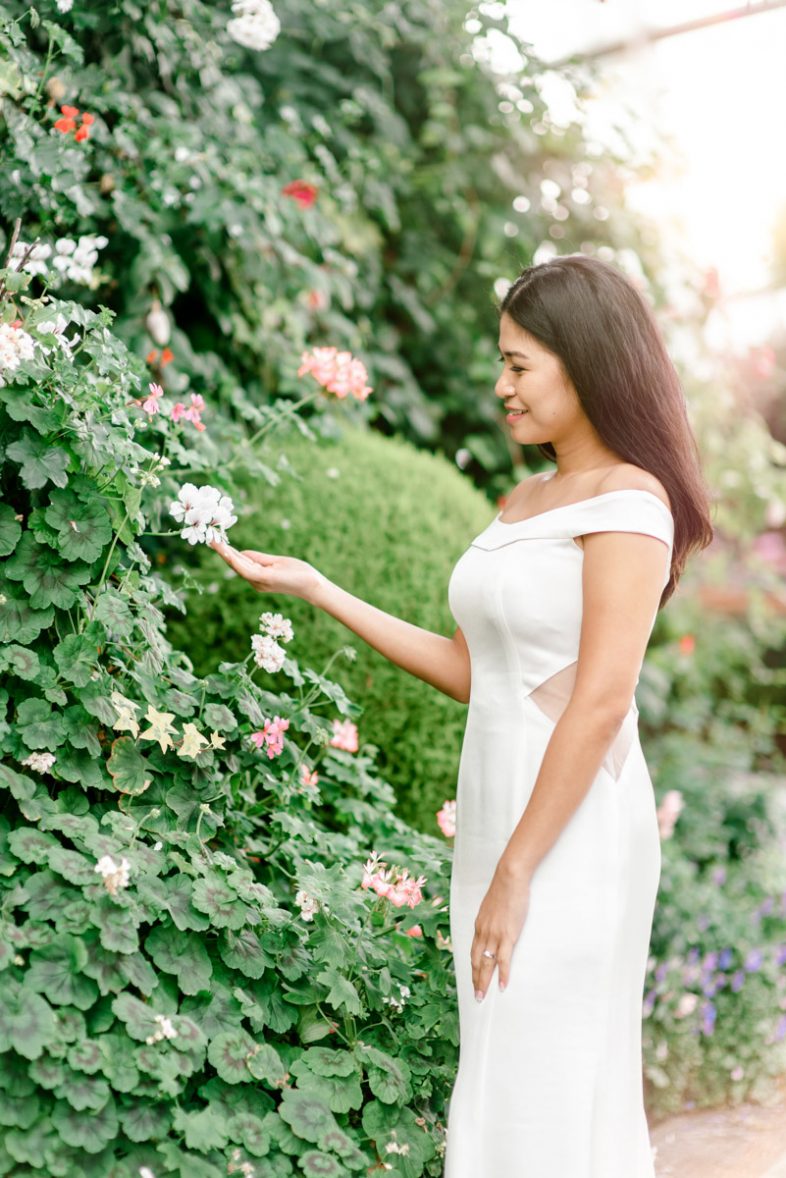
[(693, 956), (719, 876), (780, 1029), (724, 961), (738, 980), (649, 1002), (766, 906), (709, 1014), (781, 957), (661, 971), (710, 960), (754, 960)]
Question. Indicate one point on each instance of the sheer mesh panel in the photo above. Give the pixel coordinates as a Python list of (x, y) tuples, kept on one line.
[(552, 698)]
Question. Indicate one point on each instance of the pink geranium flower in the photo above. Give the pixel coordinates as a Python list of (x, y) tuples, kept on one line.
[(345, 736), (446, 818), (190, 413), (393, 883), (338, 372), (150, 402), (271, 736)]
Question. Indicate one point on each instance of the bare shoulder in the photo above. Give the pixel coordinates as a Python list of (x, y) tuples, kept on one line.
[(627, 476), (519, 494)]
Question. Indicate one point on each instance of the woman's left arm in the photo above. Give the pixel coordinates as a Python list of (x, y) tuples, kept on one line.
[(622, 583)]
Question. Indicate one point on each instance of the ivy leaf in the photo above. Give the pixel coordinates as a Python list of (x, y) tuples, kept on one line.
[(38, 726), (83, 529), (177, 891), (145, 1122), (84, 1093), (326, 1061), (57, 971), (340, 1093), (181, 954), (214, 896), (22, 661), (251, 1132), (307, 1116), (389, 1078), (204, 1130), (10, 529), (127, 767), (45, 576), (114, 613), (27, 1022), (76, 656), (39, 463), (341, 994), (229, 1053), (243, 951), (19, 622), (91, 1133)]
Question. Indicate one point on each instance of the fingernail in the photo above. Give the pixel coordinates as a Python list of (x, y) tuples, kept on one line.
[(479, 995), (502, 985)]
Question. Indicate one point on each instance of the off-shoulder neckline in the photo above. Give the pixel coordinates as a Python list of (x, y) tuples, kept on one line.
[(511, 523)]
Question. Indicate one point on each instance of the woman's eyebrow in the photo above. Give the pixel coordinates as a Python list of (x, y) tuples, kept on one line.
[(522, 354)]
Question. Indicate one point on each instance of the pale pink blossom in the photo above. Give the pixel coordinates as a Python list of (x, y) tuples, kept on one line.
[(308, 778), (150, 403), (446, 817), (668, 812), (271, 735), (414, 931), (393, 883), (338, 372), (277, 626), (345, 736), (267, 652), (686, 1005)]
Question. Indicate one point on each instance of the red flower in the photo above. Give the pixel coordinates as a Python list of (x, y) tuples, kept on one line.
[(167, 356), (304, 194), (687, 644), (152, 356), (67, 123)]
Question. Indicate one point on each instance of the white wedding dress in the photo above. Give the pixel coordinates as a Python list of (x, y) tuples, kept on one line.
[(549, 1082)]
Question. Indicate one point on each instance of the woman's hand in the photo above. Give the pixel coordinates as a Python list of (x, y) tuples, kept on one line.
[(498, 927), (271, 574)]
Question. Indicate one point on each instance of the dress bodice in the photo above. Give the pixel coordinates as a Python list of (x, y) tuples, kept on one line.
[(516, 591)]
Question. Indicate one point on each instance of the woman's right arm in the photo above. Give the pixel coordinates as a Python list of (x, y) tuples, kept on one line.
[(440, 661), (443, 662)]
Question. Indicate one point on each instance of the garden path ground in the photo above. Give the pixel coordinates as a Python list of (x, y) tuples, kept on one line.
[(748, 1141)]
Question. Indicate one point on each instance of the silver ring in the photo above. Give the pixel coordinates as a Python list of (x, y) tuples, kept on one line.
[(488, 953)]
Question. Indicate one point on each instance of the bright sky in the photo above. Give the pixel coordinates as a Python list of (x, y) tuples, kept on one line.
[(719, 94)]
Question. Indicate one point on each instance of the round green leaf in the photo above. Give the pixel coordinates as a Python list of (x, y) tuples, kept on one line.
[(89, 1133), (127, 767), (83, 528), (10, 530)]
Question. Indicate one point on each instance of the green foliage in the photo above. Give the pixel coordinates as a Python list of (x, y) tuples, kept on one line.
[(163, 1001), (414, 514)]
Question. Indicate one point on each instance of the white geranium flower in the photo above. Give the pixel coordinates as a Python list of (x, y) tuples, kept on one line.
[(115, 874), (41, 762), (204, 512), (267, 653), (277, 626), (16, 345), (308, 905), (255, 25)]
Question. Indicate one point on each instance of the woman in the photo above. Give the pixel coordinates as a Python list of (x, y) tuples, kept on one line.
[(557, 852)]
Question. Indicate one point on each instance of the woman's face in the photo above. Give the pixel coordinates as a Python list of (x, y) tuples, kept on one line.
[(534, 383)]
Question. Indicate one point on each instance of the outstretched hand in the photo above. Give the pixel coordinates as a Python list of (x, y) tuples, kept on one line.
[(268, 573)]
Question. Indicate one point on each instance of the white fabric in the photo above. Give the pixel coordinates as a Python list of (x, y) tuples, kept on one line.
[(549, 1083)]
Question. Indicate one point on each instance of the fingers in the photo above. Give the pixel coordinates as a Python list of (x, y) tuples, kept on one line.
[(236, 560), (483, 967)]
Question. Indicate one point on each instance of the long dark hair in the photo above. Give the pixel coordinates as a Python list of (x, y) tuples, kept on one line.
[(591, 316)]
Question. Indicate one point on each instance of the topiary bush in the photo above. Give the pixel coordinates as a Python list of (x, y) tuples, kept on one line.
[(386, 522), (198, 974)]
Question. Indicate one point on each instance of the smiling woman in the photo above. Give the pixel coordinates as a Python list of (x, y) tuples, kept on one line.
[(557, 848)]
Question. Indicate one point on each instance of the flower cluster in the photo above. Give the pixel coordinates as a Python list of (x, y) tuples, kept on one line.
[(115, 874), (271, 736), (255, 24), (308, 778), (309, 906), (16, 345), (305, 194), (446, 818), (345, 736), (268, 654), (338, 372), (393, 883), (164, 1030), (190, 413), (56, 327), (204, 512), (41, 762), (67, 123), (398, 1004), (72, 260)]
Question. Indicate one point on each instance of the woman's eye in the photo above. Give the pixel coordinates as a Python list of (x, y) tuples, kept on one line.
[(502, 361)]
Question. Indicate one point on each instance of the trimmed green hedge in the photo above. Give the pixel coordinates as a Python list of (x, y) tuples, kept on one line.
[(386, 522)]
